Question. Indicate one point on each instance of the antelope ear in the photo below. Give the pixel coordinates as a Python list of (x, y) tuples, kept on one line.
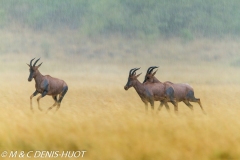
[(154, 73), (138, 75), (28, 65), (39, 65)]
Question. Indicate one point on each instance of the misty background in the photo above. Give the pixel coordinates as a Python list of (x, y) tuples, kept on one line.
[(131, 18), (193, 37)]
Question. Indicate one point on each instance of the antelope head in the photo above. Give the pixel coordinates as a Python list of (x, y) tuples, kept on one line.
[(149, 75), (33, 69), (132, 78)]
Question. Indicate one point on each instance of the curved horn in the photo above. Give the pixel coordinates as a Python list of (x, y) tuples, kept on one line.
[(149, 69), (36, 62), (31, 62), (130, 72), (135, 69), (152, 68)]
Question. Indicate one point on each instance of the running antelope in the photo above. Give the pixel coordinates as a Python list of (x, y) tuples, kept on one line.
[(150, 92), (182, 91), (46, 85)]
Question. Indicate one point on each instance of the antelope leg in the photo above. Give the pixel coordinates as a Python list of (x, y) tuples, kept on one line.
[(34, 94)]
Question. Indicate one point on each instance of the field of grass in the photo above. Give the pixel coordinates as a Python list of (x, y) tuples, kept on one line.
[(97, 115)]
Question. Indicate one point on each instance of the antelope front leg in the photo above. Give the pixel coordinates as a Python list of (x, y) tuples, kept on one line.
[(38, 99), (166, 106), (146, 106), (160, 106), (176, 108), (175, 104), (34, 94), (152, 105)]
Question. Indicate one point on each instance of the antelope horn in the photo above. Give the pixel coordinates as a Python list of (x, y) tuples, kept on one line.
[(31, 62), (36, 62), (135, 69), (130, 72), (149, 69), (152, 68)]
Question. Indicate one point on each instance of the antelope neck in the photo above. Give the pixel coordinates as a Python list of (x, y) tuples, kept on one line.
[(138, 86), (38, 78), (155, 80)]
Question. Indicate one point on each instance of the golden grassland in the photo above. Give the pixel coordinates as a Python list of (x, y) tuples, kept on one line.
[(110, 123), (97, 115)]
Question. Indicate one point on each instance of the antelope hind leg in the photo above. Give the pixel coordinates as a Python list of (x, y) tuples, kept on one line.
[(188, 104), (200, 104), (193, 99), (55, 103), (61, 95)]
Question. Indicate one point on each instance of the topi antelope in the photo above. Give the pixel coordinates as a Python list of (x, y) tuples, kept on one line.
[(46, 85), (182, 91), (150, 92)]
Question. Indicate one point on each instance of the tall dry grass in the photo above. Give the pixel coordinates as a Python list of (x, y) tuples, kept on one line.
[(110, 123), (99, 116)]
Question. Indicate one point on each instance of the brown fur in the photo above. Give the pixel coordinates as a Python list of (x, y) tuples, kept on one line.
[(148, 92), (182, 91), (46, 85)]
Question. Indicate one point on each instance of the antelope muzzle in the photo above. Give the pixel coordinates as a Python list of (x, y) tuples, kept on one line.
[(30, 77), (126, 87)]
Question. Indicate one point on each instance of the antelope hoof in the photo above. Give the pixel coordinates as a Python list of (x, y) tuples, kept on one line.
[(40, 109)]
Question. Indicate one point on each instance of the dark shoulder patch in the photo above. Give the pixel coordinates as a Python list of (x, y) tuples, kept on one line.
[(44, 84)]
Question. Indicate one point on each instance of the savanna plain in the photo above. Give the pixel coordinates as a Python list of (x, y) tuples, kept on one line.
[(98, 116)]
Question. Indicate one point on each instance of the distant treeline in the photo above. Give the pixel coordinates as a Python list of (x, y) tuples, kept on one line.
[(185, 18)]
